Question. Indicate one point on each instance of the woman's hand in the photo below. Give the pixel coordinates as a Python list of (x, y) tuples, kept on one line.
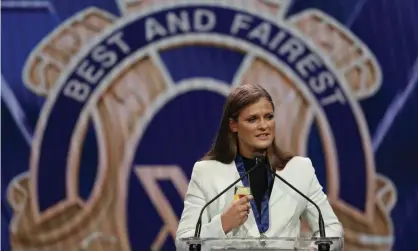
[(236, 214)]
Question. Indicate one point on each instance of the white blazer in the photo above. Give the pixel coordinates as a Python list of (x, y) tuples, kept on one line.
[(210, 177)]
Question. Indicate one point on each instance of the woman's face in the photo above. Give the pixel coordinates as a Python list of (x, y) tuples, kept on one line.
[(255, 128)]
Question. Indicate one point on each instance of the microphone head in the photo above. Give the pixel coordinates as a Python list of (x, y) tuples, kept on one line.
[(259, 159)]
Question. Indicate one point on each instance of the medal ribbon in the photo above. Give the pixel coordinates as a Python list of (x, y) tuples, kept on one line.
[(262, 218)]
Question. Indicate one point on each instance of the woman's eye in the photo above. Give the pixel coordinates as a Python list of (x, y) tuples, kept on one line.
[(252, 119)]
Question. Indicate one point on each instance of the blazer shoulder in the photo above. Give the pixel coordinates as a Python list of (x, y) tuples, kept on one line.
[(207, 165), (299, 164)]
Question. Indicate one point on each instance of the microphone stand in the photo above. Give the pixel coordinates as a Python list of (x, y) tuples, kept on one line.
[(323, 245), (197, 247)]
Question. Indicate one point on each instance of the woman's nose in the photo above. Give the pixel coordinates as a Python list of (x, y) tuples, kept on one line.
[(263, 124)]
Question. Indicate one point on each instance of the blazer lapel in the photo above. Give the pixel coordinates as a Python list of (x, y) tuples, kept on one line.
[(250, 227), (276, 197), (276, 192)]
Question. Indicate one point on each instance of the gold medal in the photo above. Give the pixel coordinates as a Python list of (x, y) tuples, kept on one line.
[(241, 191)]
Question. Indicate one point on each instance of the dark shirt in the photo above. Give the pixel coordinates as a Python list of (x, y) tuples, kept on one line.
[(258, 181)]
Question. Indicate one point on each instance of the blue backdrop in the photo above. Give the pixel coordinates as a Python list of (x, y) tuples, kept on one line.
[(152, 101)]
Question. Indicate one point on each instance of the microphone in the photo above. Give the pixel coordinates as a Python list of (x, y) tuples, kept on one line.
[(197, 247), (323, 245)]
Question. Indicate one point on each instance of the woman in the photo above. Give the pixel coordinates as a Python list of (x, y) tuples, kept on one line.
[(274, 209)]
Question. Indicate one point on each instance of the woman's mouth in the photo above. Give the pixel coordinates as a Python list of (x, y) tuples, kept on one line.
[(263, 136)]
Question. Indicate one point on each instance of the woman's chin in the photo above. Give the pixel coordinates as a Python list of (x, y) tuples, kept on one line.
[(260, 147)]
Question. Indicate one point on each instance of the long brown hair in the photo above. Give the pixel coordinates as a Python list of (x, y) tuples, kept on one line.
[(225, 145)]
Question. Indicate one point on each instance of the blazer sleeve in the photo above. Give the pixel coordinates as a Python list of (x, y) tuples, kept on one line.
[(333, 227), (194, 201)]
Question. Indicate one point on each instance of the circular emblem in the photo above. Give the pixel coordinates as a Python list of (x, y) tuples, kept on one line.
[(138, 101)]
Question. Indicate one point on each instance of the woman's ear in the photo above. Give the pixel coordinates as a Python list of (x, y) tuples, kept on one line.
[(233, 125)]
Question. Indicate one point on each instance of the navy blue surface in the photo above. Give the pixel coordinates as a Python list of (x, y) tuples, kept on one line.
[(186, 130), (203, 61)]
